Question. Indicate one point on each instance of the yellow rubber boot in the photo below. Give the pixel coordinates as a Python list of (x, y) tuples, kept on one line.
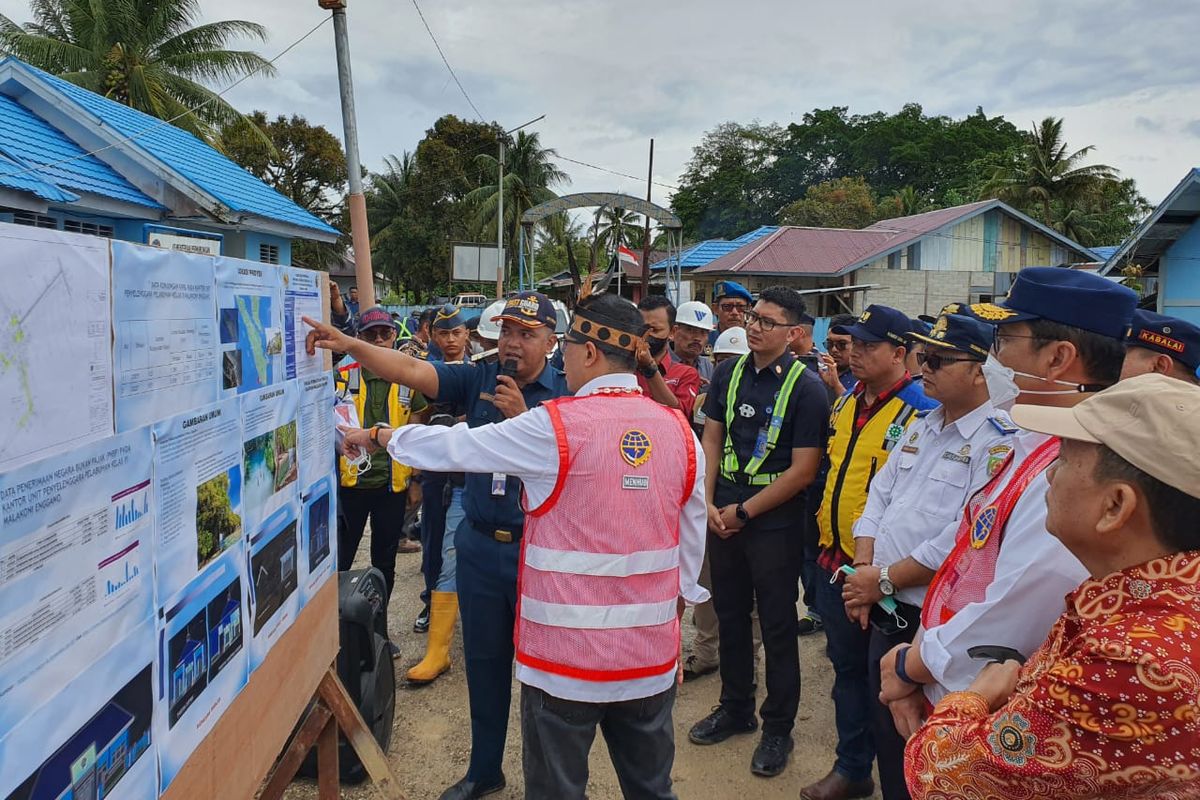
[(443, 612)]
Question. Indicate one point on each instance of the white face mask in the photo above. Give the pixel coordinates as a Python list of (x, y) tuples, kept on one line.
[(1001, 387)]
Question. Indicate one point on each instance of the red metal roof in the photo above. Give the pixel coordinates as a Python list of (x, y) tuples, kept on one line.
[(809, 251)]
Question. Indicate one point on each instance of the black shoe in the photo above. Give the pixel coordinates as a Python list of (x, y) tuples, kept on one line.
[(393, 649), (467, 789), (691, 671), (719, 726), (771, 755), (421, 625), (809, 625)]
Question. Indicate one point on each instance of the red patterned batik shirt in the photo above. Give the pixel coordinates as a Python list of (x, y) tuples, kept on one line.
[(1108, 707)]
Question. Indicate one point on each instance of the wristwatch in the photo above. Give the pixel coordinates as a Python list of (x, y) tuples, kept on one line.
[(648, 372), (742, 513), (378, 426), (886, 587)]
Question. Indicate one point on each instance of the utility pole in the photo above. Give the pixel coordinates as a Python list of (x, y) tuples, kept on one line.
[(646, 241), (360, 236), (500, 208)]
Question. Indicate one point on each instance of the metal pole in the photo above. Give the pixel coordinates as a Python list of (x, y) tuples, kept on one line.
[(360, 236), (646, 240), (500, 225)]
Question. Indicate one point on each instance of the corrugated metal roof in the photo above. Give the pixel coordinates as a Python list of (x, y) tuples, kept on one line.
[(807, 251), (193, 159), (30, 141), (917, 224), (1105, 253), (709, 250)]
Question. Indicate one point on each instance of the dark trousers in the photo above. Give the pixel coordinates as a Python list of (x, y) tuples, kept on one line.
[(889, 745), (846, 645), (385, 509), (758, 564), (433, 528), (487, 602), (810, 572), (558, 735)]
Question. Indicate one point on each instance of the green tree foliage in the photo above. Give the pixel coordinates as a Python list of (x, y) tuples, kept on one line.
[(837, 203), (144, 53), (616, 227), (301, 161), (726, 187), (216, 524)]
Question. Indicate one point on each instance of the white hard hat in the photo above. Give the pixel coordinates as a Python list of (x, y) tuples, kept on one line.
[(488, 328), (732, 340), (695, 314)]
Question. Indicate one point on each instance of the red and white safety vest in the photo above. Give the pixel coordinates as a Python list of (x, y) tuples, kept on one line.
[(968, 571), (599, 577)]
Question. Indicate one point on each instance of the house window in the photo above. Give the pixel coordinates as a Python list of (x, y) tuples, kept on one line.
[(914, 256), (894, 260), (34, 220), (268, 253), (91, 228)]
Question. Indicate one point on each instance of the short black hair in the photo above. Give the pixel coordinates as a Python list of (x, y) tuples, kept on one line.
[(426, 317), (1101, 356), (788, 299), (653, 301), (841, 321), (618, 311), (1173, 513)]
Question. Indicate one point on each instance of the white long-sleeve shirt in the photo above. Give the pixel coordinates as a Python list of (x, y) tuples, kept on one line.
[(916, 501), (525, 447), (1034, 573)]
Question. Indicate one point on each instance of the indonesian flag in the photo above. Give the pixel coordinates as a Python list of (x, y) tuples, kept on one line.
[(626, 256)]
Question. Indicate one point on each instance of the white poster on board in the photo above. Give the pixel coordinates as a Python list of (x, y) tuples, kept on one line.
[(250, 325), (200, 663), (318, 513), (93, 737), (75, 565), (270, 452), (273, 580), (301, 298), (55, 358), (164, 329), (197, 491)]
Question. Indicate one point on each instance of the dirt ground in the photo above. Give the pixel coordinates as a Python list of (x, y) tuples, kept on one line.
[(431, 740)]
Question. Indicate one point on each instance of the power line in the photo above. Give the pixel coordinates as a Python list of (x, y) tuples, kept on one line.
[(449, 68), (165, 122), (614, 172)]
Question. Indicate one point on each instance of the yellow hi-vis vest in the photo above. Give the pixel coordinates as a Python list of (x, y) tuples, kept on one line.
[(399, 407), (854, 459)]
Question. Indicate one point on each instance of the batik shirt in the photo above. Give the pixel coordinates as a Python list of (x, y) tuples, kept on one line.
[(1108, 707)]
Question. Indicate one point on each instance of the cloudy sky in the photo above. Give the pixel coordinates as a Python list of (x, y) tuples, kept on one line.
[(610, 76)]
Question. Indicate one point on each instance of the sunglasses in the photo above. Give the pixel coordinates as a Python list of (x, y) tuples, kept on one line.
[(379, 333), (936, 361), (843, 344)]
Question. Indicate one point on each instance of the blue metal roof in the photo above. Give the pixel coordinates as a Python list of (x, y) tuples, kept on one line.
[(28, 141), (182, 152), (1105, 253), (698, 255)]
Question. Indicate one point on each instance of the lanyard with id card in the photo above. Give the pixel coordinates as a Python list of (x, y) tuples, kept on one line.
[(499, 484)]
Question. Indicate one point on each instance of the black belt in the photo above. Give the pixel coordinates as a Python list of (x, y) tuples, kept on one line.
[(505, 535)]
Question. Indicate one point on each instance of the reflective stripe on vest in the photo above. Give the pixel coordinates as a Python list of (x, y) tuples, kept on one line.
[(729, 465), (598, 584)]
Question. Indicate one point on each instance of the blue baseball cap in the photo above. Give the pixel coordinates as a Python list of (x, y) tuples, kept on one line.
[(1067, 296), (878, 324), (530, 309), (959, 332), (732, 289), (922, 325), (448, 317), (1171, 336)]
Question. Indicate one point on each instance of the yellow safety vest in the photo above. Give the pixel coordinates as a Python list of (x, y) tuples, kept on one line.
[(399, 406), (854, 459)]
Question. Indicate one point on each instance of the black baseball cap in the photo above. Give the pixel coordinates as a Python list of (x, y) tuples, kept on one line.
[(1066, 296), (531, 309), (374, 317), (959, 332), (878, 324), (1171, 336)]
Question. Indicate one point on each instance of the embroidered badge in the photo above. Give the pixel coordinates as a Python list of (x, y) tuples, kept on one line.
[(746, 410), (990, 312), (894, 432), (911, 445), (635, 448), (996, 457), (982, 527), (1011, 740), (963, 456)]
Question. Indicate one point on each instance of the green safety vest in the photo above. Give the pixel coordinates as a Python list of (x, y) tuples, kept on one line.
[(729, 465)]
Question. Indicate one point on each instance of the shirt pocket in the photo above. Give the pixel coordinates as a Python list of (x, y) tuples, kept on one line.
[(946, 489)]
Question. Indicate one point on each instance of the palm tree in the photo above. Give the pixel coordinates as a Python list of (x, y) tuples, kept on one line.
[(1044, 176), (143, 53), (529, 180), (903, 202), (616, 227), (387, 212)]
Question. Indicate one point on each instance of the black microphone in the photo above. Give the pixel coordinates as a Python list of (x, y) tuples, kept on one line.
[(509, 368)]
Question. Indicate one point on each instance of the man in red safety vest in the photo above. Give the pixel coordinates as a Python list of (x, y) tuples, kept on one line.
[(613, 542)]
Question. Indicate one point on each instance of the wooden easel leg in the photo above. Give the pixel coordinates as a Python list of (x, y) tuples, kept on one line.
[(328, 787), (316, 721), (333, 694)]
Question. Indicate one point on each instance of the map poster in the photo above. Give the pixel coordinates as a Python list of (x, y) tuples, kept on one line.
[(165, 339), (273, 581), (197, 491), (318, 536), (249, 325), (200, 664), (55, 358), (75, 565), (93, 738), (270, 452), (301, 298)]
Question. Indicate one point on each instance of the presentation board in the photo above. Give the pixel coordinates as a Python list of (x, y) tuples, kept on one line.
[(168, 502)]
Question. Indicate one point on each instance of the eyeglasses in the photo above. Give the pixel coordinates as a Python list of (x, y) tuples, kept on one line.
[(378, 333), (840, 344), (936, 361), (998, 339), (765, 323), (733, 307)]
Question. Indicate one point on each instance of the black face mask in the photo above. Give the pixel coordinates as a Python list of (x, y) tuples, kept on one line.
[(657, 345)]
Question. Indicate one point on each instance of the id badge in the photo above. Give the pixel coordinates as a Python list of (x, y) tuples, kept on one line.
[(499, 484), (760, 443)]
